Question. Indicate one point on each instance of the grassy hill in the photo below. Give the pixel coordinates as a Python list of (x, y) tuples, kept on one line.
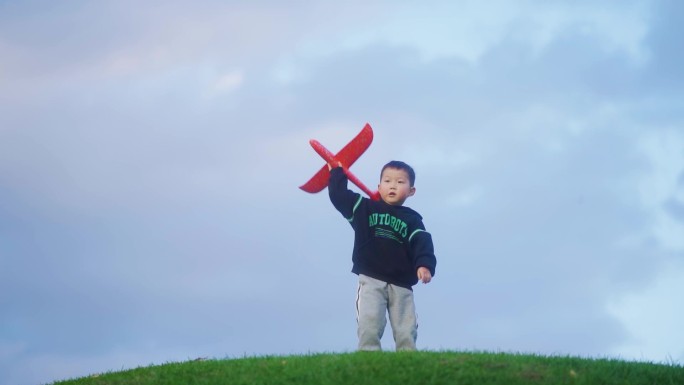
[(400, 368)]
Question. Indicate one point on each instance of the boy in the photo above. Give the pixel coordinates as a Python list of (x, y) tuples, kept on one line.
[(392, 252)]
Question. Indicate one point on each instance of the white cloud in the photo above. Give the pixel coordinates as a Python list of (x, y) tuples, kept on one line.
[(465, 197), (653, 317), (439, 156), (157, 146), (229, 81), (662, 183), (12, 349), (467, 29)]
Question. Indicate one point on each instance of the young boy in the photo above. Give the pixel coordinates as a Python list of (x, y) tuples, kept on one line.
[(392, 252)]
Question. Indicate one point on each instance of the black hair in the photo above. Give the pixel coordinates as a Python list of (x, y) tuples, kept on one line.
[(401, 166)]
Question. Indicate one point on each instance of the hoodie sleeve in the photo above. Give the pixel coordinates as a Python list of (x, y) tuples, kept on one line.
[(344, 200), (423, 250)]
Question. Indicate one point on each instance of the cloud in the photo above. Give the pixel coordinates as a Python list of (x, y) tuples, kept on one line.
[(149, 200), (467, 30), (660, 188), (229, 81), (652, 317), (664, 47)]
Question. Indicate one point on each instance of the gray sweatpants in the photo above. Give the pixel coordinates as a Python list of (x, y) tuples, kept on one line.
[(374, 300)]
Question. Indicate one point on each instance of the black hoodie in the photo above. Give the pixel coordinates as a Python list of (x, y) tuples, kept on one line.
[(390, 242)]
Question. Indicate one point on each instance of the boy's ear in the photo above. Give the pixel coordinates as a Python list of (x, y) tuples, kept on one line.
[(412, 191)]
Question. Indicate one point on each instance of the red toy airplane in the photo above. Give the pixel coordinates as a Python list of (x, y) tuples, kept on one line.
[(346, 157)]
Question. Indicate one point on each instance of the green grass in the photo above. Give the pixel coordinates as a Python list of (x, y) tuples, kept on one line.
[(422, 367)]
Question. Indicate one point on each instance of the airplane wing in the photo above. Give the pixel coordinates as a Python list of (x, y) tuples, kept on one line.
[(347, 156)]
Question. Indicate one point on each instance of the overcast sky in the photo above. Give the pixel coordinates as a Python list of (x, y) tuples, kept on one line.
[(150, 154)]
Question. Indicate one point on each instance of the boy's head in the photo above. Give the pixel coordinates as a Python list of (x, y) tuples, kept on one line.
[(396, 182)]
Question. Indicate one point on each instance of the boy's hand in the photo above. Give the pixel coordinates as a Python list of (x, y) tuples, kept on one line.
[(424, 274), (331, 166)]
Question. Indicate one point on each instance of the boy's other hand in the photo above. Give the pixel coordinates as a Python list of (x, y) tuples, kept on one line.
[(424, 275)]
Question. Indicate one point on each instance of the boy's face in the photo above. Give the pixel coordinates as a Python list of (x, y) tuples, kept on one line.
[(395, 186)]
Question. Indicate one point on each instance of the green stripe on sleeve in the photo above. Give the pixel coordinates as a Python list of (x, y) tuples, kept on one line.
[(356, 205), (414, 233)]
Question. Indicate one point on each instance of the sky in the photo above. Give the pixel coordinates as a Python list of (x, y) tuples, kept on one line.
[(151, 153)]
